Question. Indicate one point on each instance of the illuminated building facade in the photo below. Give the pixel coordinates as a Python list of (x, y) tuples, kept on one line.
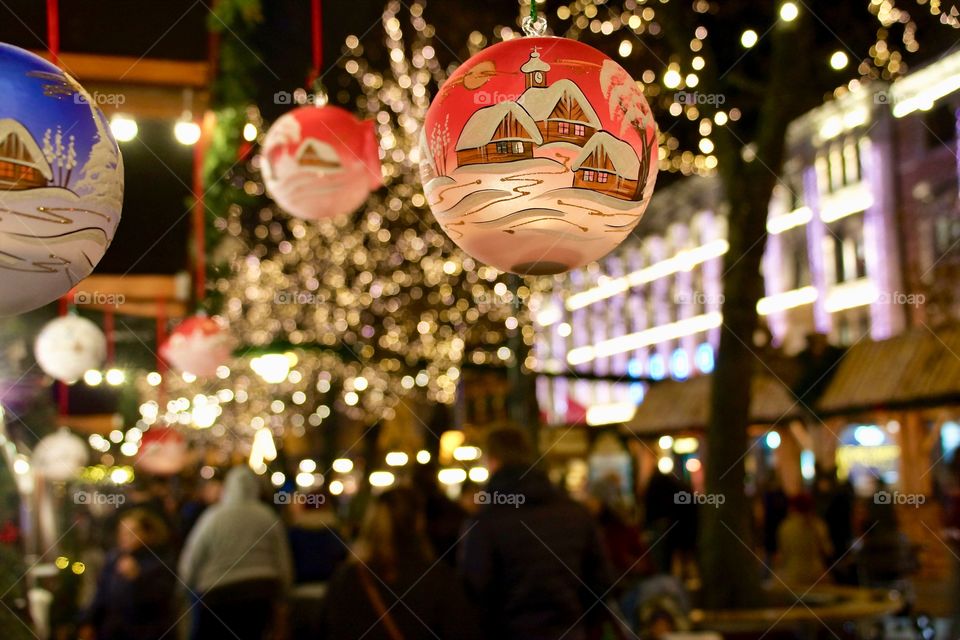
[(862, 226)]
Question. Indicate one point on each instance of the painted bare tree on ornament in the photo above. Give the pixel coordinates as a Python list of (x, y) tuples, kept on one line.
[(439, 144), (629, 107), (62, 159)]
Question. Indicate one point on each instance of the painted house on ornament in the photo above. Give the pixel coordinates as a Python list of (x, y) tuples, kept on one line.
[(317, 155), (609, 165), (22, 165), (561, 111), (502, 132)]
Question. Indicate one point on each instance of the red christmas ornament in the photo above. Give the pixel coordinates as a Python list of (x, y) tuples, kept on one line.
[(321, 162), (163, 451), (198, 345), (538, 155)]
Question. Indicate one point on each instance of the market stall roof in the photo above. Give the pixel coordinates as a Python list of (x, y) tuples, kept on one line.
[(672, 405), (920, 367)]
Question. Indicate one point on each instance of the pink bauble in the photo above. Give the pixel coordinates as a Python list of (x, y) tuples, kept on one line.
[(163, 451), (321, 162), (538, 155), (198, 345)]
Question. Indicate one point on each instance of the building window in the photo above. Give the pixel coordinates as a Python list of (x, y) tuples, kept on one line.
[(851, 162), (946, 235), (838, 166), (563, 127), (579, 129), (602, 176), (503, 147), (846, 238), (518, 147), (589, 175)]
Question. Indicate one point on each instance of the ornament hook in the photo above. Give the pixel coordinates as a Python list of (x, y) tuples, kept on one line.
[(534, 26)]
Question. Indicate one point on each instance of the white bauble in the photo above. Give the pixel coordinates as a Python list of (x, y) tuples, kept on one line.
[(68, 346), (60, 456)]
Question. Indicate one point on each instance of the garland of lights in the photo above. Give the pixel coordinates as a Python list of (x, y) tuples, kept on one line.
[(352, 319)]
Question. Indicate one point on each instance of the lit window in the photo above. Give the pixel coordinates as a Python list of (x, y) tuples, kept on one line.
[(518, 147), (602, 176), (563, 127), (589, 175), (579, 129)]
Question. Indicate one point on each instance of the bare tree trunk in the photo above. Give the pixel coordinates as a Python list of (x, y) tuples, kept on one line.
[(730, 568)]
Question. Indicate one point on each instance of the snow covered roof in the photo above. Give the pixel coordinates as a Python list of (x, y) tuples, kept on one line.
[(481, 126), (10, 126), (541, 101), (621, 154), (534, 64), (319, 150)]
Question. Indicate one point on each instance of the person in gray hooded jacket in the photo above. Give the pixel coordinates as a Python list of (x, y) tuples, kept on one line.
[(236, 563)]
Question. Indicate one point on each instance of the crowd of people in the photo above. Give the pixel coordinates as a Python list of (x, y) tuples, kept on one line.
[(516, 559)]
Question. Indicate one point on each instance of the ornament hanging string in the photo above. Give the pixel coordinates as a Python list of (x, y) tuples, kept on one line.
[(161, 338), (109, 328), (199, 219), (53, 30), (63, 391), (316, 32)]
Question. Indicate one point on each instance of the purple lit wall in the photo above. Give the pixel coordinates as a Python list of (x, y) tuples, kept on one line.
[(879, 246), (816, 233)]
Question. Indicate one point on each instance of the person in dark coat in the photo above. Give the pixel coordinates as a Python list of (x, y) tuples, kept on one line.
[(444, 517), (135, 590), (393, 587), (532, 558)]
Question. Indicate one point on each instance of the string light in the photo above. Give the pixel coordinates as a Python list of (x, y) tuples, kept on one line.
[(789, 12)]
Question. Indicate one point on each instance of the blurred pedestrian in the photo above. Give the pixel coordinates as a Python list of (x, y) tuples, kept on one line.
[(444, 516), (316, 540), (318, 548), (775, 508), (884, 554), (135, 590), (670, 521), (207, 494), (237, 562), (394, 588), (532, 558), (803, 546)]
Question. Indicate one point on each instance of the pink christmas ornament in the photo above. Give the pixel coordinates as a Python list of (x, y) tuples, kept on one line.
[(163, 451), (538, 155), (198, 345), (321, 162)]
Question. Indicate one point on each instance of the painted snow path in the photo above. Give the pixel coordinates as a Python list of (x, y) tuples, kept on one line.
[(69, 238), (537, 197)]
